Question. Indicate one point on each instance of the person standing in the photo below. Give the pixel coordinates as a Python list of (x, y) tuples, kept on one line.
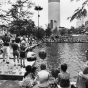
[(6, 52), (22, 50), (6, 38), (15, 48), (18, 40)]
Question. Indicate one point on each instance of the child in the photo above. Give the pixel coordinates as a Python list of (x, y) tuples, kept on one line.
[(23, 49)]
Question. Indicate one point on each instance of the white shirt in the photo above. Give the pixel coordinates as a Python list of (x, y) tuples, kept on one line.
[(6, 50), (43, 75)]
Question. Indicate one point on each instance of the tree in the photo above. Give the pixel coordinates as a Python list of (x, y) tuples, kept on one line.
[(19, 17), (83, 4), (17, 11), (73, 30), (26, 27), (39, 33), (79, 12), (48, 31)]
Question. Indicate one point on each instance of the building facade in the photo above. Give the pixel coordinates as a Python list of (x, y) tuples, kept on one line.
[(79, 23), (54, 13)]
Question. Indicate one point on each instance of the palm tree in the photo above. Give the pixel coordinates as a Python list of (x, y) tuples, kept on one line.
[(79, 13)]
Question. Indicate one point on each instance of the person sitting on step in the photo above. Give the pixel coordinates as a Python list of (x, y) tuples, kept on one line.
[(63, 77)]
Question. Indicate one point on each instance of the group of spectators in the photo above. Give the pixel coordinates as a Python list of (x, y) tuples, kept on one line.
[(56, 78), (64, 39)]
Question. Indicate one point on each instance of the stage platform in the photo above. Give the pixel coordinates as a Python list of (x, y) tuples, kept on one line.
[(11, 72)]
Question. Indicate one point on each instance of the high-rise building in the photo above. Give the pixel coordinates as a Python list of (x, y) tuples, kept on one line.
[(79, 23), (54, 13)]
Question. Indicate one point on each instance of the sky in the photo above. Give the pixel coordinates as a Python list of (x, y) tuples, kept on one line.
[(43, 20), (67, 8)]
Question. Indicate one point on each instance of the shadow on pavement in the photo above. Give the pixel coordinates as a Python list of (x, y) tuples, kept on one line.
[(9, 84)]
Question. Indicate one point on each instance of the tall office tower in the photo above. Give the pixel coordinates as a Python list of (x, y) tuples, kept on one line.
[(54, 13)]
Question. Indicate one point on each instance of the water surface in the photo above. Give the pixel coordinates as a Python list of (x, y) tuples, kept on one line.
[(71, 53)]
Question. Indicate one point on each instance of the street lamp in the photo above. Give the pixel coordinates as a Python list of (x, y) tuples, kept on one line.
[(38, 8)]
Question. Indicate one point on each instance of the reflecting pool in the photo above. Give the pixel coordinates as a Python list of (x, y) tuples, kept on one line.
[(71, 53)]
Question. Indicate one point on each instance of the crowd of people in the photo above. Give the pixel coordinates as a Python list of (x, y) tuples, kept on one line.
[(64, 39), (56, 78), (17, 46), (43, 78)]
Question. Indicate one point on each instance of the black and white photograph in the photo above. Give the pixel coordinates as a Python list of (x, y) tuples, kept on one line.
[(43, 43)]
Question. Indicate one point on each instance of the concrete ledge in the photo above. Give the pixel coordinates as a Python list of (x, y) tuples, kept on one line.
[(11, 77)]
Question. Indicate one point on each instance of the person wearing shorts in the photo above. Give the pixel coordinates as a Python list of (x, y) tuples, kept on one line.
[(6, 52), (22, 53), (15, 48)]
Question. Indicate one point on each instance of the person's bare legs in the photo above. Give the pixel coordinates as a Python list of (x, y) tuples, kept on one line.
[(4, 57), (14, 59), (7, 58), (23, 62), (18, 60)]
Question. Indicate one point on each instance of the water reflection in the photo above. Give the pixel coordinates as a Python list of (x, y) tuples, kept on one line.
[(53, 57), (71, 53)]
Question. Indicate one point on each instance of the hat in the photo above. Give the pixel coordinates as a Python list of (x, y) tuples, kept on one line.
[(31, 58), (31, 54)]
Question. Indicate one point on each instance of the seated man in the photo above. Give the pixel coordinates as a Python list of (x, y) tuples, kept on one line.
[(42, 77)]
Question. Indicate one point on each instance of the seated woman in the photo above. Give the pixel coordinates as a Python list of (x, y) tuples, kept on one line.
[(28, 79), (42, 77), (63, 77)]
